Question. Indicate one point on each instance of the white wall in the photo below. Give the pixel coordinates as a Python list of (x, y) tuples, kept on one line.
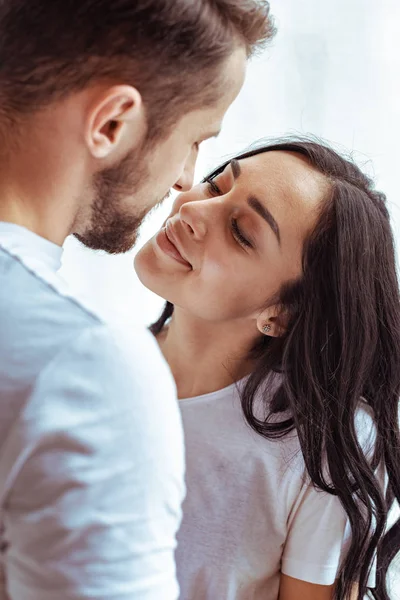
[(334, 71)]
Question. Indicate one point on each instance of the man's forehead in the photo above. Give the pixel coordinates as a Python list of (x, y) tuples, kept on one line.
[(211, 121), (203, 123)]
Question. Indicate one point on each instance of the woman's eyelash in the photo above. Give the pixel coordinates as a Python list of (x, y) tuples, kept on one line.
[(239, 235), (212, 186)]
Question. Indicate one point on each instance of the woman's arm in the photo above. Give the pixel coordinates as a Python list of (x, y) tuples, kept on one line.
[(294, 589)]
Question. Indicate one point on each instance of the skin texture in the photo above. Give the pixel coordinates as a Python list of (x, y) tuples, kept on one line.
[(83, 165), (216, 319), (222, 270), (293, 589)]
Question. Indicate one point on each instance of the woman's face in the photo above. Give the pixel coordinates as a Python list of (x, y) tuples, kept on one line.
[(229, 245)]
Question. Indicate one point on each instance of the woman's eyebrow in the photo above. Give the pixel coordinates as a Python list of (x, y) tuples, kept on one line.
[(265, 214), (255, 203), (236, 169)]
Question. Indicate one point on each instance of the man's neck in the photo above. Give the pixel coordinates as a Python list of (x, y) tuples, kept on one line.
[(45, 228), (38, 201), (205, 357)]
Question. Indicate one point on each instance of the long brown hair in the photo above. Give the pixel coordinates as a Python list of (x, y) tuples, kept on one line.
[(342, 345)]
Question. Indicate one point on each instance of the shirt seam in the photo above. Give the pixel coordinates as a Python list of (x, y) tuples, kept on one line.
[(70, 299), (303, 563)]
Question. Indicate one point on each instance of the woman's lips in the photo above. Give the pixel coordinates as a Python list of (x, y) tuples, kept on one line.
[(168, 247)]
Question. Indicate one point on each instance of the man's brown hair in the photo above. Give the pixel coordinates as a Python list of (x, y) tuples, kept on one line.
[(172, 51)]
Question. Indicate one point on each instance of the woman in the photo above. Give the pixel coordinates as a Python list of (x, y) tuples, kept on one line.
[(282, 329)]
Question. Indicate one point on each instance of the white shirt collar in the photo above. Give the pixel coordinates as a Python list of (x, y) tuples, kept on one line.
[(29, 246)]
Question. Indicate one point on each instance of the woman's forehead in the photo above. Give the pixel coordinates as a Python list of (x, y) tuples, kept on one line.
[(289, 175)]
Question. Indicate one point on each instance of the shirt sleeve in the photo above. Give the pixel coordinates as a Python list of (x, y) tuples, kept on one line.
[(315, 537), (319, 533), (95, 508)]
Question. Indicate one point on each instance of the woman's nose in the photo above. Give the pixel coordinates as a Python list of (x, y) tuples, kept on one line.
[(193, 219)]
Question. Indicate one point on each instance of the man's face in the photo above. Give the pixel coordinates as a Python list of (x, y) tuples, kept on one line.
[(124, 194)]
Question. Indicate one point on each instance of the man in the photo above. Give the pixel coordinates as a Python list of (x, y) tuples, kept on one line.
[(103, 105)]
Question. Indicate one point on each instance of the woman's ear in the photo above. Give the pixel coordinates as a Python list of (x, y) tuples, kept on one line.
[(273, 321)]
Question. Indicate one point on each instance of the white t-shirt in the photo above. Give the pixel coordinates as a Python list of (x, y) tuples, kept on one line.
[(251, 512), (91, 442)]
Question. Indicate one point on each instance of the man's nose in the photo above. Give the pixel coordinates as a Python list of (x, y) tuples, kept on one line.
[(185, 181)]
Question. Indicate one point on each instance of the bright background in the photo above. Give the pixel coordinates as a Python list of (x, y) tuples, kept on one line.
[(332, 71)]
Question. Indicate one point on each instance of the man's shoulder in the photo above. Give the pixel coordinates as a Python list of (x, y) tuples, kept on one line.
[(44, 324), (70, 378), (106, 365), (122, 345), (36, 295)]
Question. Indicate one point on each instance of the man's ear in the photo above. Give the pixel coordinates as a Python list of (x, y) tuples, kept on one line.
[(273, 321), (112, 115)]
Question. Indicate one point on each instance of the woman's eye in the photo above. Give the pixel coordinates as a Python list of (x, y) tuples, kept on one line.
[(213, 188), (238, 235)]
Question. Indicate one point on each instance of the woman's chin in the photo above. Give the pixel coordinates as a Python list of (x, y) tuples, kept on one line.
[(142, 269), (146, 275)]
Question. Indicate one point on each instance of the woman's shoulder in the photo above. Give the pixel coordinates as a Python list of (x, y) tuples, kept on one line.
[(219, 420)]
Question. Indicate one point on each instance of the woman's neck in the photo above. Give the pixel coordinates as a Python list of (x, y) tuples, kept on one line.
[(205, 357)]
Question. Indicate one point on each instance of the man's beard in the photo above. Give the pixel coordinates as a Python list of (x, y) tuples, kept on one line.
[(112, 228)]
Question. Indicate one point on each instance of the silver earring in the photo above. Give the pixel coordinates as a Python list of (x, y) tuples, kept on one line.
[(266, 328)]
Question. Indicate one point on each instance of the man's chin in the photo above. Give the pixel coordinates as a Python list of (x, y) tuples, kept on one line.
[(114, 233), (110, 243)]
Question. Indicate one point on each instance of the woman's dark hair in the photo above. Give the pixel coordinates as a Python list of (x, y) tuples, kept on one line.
[(342, 345)]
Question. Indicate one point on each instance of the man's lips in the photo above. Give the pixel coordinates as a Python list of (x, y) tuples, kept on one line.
[(169, 244)]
